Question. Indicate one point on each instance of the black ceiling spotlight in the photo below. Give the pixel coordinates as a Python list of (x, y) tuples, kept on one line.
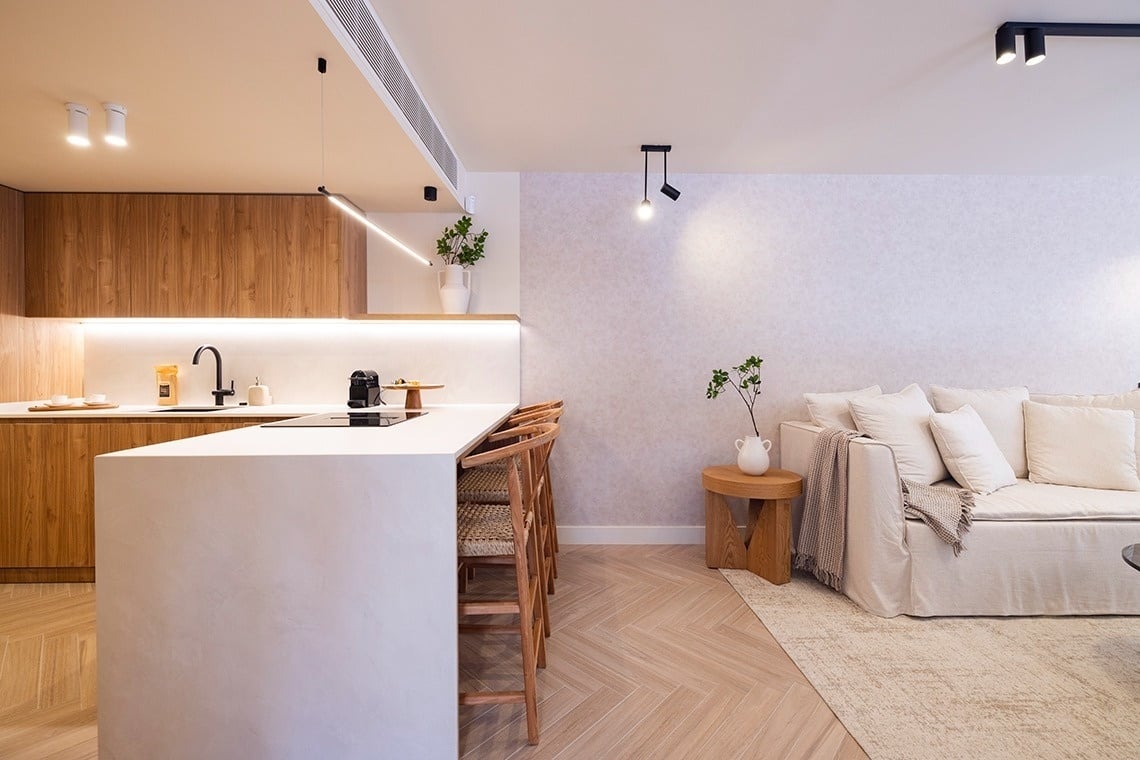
[(1005, 40), (645, 208), (430, 193), (666, 188)]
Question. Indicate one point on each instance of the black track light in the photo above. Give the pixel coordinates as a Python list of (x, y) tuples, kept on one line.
[(645, 208), (671, 192), (1006, 43), (1034, 46), (1034, 32)]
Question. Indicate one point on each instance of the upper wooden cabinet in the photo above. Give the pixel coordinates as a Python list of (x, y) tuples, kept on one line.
[(162, 255)]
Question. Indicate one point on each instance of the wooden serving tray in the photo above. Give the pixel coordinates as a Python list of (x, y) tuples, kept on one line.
[(73, 407), (412, 400)]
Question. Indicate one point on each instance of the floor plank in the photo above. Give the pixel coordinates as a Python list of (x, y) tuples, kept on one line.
[(652, 656)]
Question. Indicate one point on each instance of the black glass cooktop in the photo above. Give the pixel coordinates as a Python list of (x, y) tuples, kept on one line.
[(349, 419)]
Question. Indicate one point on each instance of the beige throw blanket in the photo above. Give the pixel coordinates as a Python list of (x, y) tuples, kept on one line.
[(947, 511), (823, 526)]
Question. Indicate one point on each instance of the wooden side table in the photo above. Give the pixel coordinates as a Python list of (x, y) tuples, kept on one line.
[(766, 548)]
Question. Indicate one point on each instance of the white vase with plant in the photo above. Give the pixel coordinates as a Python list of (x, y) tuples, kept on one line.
[(752, 450), (459, 248)]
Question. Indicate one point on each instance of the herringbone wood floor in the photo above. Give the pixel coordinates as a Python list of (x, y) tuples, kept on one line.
[(653, 656)]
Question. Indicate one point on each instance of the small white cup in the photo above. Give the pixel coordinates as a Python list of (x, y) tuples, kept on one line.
[(60, 399), (96, 398)]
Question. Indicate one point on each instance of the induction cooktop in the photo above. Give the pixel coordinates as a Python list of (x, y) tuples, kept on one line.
[(349, 419)]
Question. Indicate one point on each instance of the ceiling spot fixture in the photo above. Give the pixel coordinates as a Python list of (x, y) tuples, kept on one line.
[(1005, 39), (116, 133), (430, 193), (77, 125), (341, 201), (645, 208)]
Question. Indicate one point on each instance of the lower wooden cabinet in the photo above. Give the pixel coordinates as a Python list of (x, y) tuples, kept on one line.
[(47, 488)]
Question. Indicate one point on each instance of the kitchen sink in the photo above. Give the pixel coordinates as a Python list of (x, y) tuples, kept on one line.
[(193, 409)]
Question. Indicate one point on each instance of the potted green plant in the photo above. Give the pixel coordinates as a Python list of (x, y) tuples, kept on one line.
[(752, 451), (459, 248)]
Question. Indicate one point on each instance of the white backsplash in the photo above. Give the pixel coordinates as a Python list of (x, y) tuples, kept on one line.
[(304, 361)]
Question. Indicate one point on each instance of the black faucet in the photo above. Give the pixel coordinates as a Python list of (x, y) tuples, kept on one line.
[(219, 392)]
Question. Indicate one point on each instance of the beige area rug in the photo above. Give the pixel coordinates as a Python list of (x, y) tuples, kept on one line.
[(978, 688)]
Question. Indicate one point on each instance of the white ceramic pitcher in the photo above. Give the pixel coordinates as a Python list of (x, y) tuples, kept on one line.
[(752, 456)]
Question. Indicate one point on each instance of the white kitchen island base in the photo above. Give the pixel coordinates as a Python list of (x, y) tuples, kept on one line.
[(282, 593)]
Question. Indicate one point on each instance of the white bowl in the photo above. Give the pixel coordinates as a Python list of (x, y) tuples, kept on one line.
[(60, 399), (96, 398)]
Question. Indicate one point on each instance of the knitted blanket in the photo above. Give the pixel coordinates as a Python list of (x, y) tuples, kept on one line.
[(823, 526), (947, 511)]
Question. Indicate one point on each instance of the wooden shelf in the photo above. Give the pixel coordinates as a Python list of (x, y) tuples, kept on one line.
[(439, 317)]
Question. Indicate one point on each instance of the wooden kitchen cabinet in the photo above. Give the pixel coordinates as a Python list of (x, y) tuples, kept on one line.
[(183, 255), (47, 487)]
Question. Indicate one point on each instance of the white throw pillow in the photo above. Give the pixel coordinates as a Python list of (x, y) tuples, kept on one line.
[(830, 410), (902, 421), (1081, 446), (1000, 410), (1127, 400), (970, 451)]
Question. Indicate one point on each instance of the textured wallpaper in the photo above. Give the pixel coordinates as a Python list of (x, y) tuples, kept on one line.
[(838, 282)]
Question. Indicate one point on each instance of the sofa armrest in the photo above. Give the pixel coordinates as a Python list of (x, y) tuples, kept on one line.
[(876, 564)]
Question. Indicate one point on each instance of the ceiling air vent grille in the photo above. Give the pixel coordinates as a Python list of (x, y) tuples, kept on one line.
[(362, 26)]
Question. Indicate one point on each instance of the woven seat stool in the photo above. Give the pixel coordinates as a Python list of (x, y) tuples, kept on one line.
[(507, 534), (488, 485)]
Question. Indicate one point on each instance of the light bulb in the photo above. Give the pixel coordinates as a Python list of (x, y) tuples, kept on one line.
[(645, 210)]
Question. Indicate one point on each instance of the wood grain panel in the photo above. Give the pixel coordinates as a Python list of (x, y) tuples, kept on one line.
[(47, 485), (181, 255), (74, 265), (250, 274), (352, 249), (11, 252)]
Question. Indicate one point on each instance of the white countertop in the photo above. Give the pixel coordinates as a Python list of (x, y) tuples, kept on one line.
[(19, 409), (450, 429)]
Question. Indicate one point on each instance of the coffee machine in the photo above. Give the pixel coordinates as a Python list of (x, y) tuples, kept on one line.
[(364, 389)]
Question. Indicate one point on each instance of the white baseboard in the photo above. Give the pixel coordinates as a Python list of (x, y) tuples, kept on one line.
[(631, 534)]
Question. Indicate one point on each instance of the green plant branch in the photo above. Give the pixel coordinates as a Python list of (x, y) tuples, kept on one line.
[(747, 379)]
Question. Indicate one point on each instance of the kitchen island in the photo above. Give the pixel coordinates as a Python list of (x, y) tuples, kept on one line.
[(283, 592)]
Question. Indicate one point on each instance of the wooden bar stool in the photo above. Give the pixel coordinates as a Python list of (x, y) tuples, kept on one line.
[(488, 485), (507, 534)]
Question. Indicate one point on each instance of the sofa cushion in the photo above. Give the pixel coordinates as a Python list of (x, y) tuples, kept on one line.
[(969, 451), (1040, 501), (1081, 446), (902, 421), (830, 410), (1000, 410), (1127, 400)]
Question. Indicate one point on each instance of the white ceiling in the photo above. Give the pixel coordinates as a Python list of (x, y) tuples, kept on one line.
[(223, 96), (879, 86)]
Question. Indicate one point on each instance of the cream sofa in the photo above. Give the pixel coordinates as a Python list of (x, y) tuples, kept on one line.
[(1033, 549)]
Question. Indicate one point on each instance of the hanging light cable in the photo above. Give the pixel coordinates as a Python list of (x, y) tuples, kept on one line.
[(342, 202), (645, 208)]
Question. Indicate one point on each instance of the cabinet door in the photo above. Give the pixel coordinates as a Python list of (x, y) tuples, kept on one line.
[(164, 255), (74, 260), (178, 271), (47, 485)]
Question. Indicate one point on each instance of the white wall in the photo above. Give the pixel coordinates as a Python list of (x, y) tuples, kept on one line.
[(398, 284), (836, 281), (304, 361)]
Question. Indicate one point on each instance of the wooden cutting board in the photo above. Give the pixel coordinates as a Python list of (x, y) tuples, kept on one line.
[(72, 407)]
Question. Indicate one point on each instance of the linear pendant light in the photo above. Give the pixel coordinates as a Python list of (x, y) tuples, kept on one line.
[(350, 208), (342, 202)]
